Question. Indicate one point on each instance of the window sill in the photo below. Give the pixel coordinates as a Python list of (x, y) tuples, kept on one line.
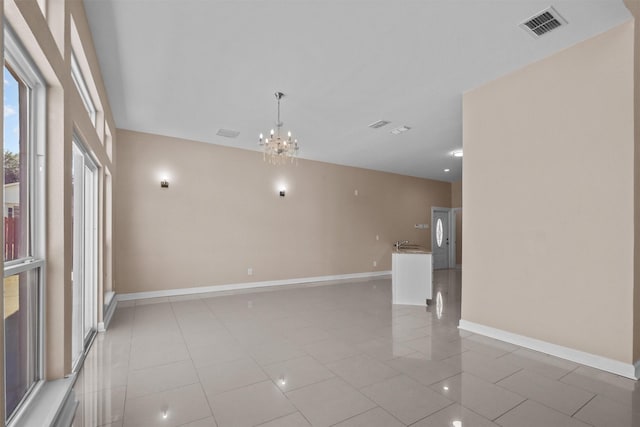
[(54, 404)]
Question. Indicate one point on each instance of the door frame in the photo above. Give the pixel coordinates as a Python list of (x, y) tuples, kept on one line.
[(451, 230)]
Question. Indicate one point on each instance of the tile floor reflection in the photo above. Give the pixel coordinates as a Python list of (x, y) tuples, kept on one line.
[(331, 355)]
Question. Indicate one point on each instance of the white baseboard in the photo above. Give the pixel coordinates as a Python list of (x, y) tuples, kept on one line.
[(111, 308), (249, 285), (627, 370)]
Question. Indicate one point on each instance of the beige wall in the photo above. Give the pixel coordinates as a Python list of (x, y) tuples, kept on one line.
[(456, 202), (46, 35), (634, 7), (222, 214), (548, 199), (456, 194)]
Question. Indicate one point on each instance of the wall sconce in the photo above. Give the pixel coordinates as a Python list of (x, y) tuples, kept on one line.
[(164, 183), (281, 193)]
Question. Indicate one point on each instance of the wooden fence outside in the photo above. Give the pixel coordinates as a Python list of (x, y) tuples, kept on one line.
[(10, 238)]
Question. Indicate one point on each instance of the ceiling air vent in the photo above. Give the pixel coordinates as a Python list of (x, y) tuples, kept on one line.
[(227, 133), (379, 124), (399, 130), (543, 22)]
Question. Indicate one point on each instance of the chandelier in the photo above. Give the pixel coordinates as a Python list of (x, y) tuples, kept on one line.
[(277, 148)]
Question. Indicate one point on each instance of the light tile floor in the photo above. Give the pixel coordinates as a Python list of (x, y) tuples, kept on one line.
[(331, 355)]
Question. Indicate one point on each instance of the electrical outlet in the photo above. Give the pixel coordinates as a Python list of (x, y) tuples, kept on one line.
[(250, 271), (355, 192), (377, 237), (375, 263)]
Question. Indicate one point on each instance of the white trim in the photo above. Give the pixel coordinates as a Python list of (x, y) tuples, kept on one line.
[(108, 297), (67, 412), (108, 314), (249, 285), (23, 264), (54, 405), (81, 84), (627, 370)]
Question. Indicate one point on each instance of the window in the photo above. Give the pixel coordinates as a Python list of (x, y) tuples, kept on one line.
[(108, 245), (23, 163), (43, 7), (84, 275), (439, 232), (81, 84)]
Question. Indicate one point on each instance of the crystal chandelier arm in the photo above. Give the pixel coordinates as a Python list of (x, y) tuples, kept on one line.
[(276, 147)]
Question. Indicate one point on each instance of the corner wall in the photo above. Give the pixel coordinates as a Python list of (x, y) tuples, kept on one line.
[(222, 215), (634, 8), (549, 199)]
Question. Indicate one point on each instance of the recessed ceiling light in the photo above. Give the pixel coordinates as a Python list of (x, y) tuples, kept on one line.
[(399, 130), (457, 153), (457, 423), (447, 170)]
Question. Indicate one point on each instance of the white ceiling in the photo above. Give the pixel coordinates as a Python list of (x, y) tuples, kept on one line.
[(186, 68)]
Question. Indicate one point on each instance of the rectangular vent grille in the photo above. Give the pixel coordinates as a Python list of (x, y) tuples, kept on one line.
[(227, 133), (543, 22), (399, 130), (379, 124)]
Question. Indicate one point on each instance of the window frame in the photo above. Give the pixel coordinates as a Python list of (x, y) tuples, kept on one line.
[(89, 161), (21, 64), (81, 84)]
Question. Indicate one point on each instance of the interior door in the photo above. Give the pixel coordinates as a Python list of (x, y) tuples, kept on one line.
[(440, 238)]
